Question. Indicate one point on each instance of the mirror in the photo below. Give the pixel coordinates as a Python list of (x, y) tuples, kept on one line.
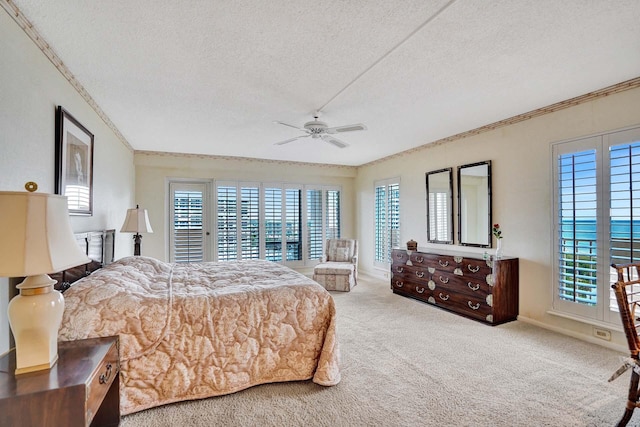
[(440, 206), (474, 204)]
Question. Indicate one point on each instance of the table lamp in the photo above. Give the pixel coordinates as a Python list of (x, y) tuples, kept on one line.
[(36, 239), (137, 221)]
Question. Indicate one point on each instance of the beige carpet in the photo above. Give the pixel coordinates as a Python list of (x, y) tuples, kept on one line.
[(405, 363)]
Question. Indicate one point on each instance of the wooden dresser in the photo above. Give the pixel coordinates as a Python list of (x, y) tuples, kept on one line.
[(463, 283)]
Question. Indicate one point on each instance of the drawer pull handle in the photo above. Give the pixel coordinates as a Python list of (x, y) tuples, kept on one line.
[(473, 306), (104, 378), (443, 264), (399, 283), (443, 297), (444, 279), (419, 291), (399, 255), (473, 268), (419, 259), (399, 269), (473, 287), (420, 274)]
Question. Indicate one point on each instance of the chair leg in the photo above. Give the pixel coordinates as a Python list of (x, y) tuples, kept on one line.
[(633, 399)]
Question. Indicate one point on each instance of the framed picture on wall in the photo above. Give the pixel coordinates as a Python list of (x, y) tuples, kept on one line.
[(74, 163)]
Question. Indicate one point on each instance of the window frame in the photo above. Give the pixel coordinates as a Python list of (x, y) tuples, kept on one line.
[(204, 186), (605, 309)]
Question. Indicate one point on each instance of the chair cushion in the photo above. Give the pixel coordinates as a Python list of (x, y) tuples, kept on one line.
[(340, 250), (342, 255), (337, 268)]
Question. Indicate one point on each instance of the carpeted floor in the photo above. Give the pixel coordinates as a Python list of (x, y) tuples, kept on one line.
[(405, 363)]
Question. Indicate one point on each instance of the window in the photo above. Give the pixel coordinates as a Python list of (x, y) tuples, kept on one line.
[(250, 222), (227, 222), (279, 222), (188, 227), (293, 229), (333, 214), (323, 207), (238, 221), (386, 220), (597, 205), (273, 223), (315, 236)]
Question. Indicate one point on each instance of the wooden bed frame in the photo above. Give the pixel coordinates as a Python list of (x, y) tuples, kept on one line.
[(99, 247)]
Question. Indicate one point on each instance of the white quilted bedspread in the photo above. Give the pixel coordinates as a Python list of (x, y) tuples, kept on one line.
[(190, 331)]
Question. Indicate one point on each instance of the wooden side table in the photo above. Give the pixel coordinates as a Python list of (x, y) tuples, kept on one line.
[(81, 389)]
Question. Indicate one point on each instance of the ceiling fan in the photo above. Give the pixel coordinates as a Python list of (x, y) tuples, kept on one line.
[(317, 129)]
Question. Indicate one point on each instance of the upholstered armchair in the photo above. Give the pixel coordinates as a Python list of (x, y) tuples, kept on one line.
[(338, 270)]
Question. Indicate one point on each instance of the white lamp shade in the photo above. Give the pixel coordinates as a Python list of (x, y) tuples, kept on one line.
[(137, 221), (36, 235)]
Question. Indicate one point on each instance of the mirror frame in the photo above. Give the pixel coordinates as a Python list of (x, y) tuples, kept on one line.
[(433, 239), (489, 206)]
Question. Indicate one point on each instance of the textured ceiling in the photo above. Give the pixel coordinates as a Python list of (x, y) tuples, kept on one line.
[(210, 77)]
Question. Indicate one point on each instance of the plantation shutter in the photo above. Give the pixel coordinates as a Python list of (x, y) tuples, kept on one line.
[(577, 227), (380, 223), (227, 236), (293, 228), (624, 223), (394, 218), (187, 225), (333, 214), (250, 222), (387, 220), (273, 223), (314, 224)]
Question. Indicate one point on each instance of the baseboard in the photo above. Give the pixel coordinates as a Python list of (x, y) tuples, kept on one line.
[(582, 337)]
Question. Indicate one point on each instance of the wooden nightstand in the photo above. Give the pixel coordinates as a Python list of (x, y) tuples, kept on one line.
[(81, 389)]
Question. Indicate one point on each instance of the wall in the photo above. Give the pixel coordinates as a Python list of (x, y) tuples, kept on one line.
[(522, 193), (30, 89), (153, 172)]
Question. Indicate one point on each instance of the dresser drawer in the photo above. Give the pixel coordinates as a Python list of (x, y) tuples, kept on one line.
[(471, 267), (479, 308), (412, 288), (470, 286), (399, 257)]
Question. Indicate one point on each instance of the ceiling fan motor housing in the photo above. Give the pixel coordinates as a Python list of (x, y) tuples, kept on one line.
[(315, 127)]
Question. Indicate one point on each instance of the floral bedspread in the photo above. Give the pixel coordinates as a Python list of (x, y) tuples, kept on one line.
[(189, 331)]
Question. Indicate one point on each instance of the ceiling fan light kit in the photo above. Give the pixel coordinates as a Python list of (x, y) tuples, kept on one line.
[(317, 129)]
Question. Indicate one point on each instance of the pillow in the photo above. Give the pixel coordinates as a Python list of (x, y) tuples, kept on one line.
[(342, 255)]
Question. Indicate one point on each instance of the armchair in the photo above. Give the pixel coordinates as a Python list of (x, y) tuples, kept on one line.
[(338, 270)]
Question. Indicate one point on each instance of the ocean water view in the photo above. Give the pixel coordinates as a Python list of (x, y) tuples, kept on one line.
[(582, 236)]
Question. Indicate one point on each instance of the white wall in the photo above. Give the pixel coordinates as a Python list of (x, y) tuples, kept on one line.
[(154, 170), (522, 193), (30, 89)]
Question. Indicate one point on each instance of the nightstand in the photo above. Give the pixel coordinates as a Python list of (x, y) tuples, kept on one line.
[(81, 389)]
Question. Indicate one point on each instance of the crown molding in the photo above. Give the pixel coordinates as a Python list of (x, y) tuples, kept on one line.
[(241, 159), (33, 34), (572, 102)]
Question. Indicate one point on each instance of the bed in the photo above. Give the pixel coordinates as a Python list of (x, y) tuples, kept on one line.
[(190, 331)]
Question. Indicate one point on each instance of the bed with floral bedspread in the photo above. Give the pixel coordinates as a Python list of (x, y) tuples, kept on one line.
[(190, 331)]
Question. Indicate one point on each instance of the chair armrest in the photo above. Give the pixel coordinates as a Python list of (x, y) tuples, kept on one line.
[(323, 259)]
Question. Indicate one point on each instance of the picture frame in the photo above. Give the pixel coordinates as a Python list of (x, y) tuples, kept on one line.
[(74, 163)]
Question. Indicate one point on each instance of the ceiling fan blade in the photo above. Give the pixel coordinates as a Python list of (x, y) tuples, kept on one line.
[(290, 140), (335, 141), (291, 126), (346, 128)]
